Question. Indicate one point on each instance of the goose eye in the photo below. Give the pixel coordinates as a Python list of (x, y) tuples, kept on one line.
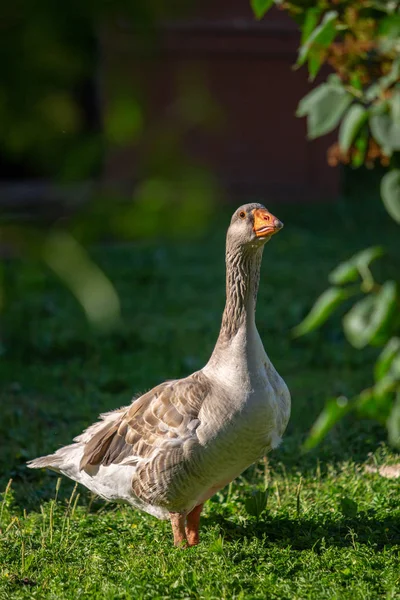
[(242, 214)]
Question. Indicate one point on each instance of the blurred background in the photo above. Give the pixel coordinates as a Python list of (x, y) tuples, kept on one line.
[(129, 133), (200, 92)]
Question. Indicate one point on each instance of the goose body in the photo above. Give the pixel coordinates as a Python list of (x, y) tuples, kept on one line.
[(178, 444)]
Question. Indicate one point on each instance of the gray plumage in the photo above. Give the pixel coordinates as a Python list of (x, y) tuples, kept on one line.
[(182, 441)]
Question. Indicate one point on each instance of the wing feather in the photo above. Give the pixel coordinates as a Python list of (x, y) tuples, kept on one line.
[(155, 427)]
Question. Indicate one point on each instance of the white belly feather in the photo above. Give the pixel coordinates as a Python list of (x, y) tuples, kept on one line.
[(250, 416)]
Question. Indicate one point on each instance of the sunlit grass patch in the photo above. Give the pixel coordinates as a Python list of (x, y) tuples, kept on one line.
[(327, 529)]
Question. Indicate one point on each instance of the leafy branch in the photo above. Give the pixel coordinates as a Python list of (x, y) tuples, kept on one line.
[(360, 41)]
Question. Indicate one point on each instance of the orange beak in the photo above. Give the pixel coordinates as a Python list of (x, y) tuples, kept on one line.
[(265, 224)]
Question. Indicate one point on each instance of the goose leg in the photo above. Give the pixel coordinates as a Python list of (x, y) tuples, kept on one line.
[(178, 528), (192, 525)]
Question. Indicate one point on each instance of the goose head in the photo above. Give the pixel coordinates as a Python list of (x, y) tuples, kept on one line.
[(252, 225)]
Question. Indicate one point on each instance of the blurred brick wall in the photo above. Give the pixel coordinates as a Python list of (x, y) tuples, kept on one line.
[(250, 140)]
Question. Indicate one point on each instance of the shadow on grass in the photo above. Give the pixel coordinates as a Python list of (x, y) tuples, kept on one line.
[(31, 487), (312, 533), (316, 533)]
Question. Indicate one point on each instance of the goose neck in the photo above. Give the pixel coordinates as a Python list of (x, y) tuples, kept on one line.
[(242, 279)]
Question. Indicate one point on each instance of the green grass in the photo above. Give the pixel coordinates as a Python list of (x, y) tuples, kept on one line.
[(329, 531)]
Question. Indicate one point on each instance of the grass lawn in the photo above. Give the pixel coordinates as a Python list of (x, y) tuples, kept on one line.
[(329, 531)]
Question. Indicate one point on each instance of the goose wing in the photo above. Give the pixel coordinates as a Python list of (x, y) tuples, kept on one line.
[(156, 433)]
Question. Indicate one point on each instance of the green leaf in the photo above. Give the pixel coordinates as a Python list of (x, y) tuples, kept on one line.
[(393, 423), (307, 103), (322, 309), (355, 266), (389, 26), (390, 192), (369, 321), (314, 63), (333, 411), (310, 21), (322, 36), (387, 384), (257, 503), (348, 507), (365, 404), (394, 103), (365, 257), (324, 107), (386, 358), (68, 259), (361, 145), (345, 272), (355, 81), (375, 403), (351, 124), (386, 131), (261, 7)]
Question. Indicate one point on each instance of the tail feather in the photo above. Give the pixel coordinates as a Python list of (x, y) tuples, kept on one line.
[(50, 461), (56, 461), (112, 482)]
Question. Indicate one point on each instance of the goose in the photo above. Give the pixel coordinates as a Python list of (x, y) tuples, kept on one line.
[(180, 443)]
